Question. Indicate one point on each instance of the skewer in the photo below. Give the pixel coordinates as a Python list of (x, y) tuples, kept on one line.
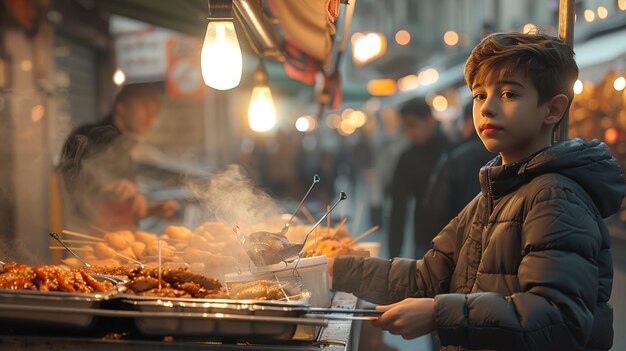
[(160, 268), (98, 229), (341, 224), (57, 238), (81, 241), (129, 259), (70, 248), (363, 235), (81, 235), (308, 215)]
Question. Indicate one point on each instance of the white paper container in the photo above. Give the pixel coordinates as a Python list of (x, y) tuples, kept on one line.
[(313, 272)]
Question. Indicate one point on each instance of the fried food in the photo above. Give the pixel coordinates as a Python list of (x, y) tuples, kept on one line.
[(50, 278), (256, 290), (178, 232)]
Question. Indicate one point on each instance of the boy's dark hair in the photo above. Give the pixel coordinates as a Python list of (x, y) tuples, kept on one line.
[(416, 107), (138, 92), (547, 61)]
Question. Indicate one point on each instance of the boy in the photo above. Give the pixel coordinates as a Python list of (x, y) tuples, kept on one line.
[(526, 264)]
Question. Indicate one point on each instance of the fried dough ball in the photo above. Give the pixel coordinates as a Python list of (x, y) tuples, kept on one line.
[(166, 250), (192, 255), (145, 237), (117, 240), (130, 236), (178, 232), (213, 230), (138, 248), (128, 252), (102, 251)]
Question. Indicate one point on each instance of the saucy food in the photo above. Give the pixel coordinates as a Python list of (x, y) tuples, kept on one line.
[(17, 276)]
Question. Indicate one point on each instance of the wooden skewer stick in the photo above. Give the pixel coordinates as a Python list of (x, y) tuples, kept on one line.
[(81, 235), (363, 235), (88, 242), (71, 248), (99, 230), (308, 215), (340, 225), (128, 258), (160, 267)]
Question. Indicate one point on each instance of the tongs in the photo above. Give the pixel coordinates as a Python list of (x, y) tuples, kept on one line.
[(316, 180), (295, 249), (265, 248), (56, 237)]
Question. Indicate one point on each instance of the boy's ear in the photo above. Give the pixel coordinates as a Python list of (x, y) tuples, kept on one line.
[(556, 109)]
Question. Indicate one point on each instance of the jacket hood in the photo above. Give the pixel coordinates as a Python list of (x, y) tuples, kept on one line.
[(589, 163)]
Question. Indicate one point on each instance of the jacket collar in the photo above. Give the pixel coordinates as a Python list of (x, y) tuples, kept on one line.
[(498, 180)]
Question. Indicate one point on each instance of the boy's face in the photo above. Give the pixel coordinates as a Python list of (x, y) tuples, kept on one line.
[(507, 116)]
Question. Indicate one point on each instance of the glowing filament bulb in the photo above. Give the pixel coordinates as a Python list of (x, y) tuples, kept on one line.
[(221, 59)]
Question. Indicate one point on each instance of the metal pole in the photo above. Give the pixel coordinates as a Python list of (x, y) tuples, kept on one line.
[(566, 33)]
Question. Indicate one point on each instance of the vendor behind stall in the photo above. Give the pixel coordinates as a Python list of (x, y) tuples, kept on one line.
[(98, 170)]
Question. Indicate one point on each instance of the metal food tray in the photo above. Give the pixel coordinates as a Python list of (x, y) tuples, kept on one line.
[(250, 319), (38, 301)]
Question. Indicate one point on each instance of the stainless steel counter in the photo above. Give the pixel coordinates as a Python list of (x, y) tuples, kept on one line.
[(339, 335)]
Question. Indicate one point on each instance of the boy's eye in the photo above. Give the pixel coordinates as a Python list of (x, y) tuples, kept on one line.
[(479, 96), (508, 94)]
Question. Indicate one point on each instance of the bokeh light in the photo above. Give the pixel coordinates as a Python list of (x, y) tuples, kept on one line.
[(440, 103), (529, 28), (409, 82), (403, 37), (589, 15), (578, 87), (451, 38), (619, 84), (611, 136)]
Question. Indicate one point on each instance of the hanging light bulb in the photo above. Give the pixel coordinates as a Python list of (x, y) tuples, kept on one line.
[(119, 77), (221, 59), (261, 111)]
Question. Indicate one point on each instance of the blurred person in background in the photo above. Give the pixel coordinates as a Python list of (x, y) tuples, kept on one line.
[(454, 182), (413, 170), (99, 172)]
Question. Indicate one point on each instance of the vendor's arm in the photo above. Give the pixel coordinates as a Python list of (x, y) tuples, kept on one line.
[(558, 276), (384, 281)]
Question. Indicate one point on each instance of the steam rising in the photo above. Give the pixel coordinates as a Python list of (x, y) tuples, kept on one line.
[(231, 197)]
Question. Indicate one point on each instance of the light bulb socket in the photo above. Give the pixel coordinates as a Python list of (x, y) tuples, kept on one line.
[(260, 75), (220, 9)]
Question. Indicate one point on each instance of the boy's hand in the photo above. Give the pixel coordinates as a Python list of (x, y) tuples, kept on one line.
[(410, 317)]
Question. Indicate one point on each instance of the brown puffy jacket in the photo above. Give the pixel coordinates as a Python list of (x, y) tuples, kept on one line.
[(525, 266)]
